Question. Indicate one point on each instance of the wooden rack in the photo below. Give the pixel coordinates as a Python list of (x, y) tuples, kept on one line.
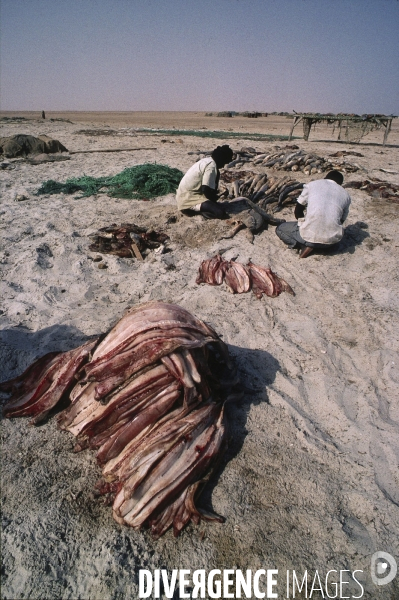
[(342, 121)]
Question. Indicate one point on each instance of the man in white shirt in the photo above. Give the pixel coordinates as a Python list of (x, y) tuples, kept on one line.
[(197, 191), (327, 207)]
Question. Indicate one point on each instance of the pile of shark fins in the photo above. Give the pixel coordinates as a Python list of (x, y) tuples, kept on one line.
[(149, 399)]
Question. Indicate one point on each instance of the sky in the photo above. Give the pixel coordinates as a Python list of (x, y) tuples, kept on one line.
[(200, 55)]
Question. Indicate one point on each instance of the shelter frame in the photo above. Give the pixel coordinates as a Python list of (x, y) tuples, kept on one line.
[(309, 119)]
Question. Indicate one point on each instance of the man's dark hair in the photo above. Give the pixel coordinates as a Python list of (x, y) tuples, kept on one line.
[(335, 176), (222, 154)]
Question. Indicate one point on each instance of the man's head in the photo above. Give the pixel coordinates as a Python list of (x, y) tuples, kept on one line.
[(335, 176), (222, 155)]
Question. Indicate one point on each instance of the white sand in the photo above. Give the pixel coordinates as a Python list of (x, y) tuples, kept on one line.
[(310, 480)]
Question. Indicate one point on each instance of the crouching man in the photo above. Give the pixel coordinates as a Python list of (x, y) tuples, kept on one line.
[(327, 207), (197, 192)]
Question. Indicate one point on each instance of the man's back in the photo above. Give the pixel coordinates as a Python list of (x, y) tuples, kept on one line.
[(203, 172), (327, 207)]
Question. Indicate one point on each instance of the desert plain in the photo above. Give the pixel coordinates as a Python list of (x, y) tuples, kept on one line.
[(310, 479)]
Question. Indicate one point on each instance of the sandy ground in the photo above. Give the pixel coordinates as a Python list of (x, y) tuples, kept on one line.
[(310, 479)]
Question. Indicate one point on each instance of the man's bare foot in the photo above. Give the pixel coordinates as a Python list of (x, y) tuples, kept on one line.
[(305, 252)]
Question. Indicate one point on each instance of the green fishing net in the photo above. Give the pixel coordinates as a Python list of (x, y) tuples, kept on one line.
[(139, 182)]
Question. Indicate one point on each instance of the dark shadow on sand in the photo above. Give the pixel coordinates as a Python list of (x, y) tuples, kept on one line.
[(257, 370), (354, 235)]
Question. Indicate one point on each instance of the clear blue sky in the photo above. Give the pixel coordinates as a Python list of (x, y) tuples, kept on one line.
[(200, 55)]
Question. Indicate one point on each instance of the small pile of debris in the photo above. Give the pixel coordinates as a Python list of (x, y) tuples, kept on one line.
[(127, 240), (346, 153), (241, 278), (377, 188), (98, 132), (25, 145), (13, 119)]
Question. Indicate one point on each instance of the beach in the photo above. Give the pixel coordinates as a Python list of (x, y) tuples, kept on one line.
[(310, 477)]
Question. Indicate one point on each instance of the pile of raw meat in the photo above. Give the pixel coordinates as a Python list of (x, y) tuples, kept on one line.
[(377, 188), (149, 398), (241, 278)]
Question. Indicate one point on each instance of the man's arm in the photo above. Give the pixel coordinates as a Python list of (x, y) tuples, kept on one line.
[(209, 193), (301, 202), (299, 211)]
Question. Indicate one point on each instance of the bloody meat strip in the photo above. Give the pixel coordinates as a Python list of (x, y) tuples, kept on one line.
[(237, 277), (65, 376), (53, 383), (24, 386), (183, 466), (98, 435), (87, 410), (181, 512), (211, 271), (126, 409), (116, 466), (145, 457), (264, 281), (129, 431), (139, 341), (28, 378)]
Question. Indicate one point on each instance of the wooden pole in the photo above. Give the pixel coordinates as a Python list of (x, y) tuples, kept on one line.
[(292, 129), (109, 150), (387, 124), (307, 127), (295, 123)]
